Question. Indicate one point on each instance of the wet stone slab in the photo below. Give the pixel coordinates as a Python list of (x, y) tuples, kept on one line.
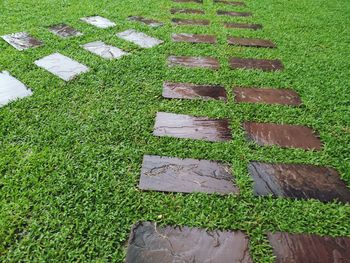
[(64, 31), (188, 1), (168, 174), (140, 39), (260, 64), (22, 41), (243, 26), (198, 128), (251, 42), (11, 89), (229, 3), (146, 21), (307, 248), (298, 181), (61, 66), (194, 62), (103, 50), (231, 13), (186, 11), (190, 22), (98, 21), (194, 38), (286, 136), (149, 243)]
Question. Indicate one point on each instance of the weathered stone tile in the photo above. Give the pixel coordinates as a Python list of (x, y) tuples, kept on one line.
[(243, 26), (230, 13), (103, 50), (307, 248), (194, 62), (149, 243), (186, 11), (199, 128), (191, 22), (11, 89), (168, 174), (61, 66), (287, 136), (192, 91), (251, 63), (98, 21), (64, 31), (139, 38), (268, 96), (194, 38), (251, 42), (188, 1), (22, 41), (229, 3), (298, 181), (147, 21)]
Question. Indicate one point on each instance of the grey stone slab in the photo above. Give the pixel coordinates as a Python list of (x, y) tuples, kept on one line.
[(22, 41), (61, 66), (139, 38), (64, 31), (147, 21), (98, 21), (103, 50)]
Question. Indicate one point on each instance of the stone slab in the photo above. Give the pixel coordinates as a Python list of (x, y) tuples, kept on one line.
[(188, 1), (260, 64), (103, 50), (147, 21), (190, 22), (231, 13), (186, 11), (194, 62), (98, 21), (229, 3), (243, 26), (64, 31), (251, 42), (22, 41), (140, 39), (194, 38)]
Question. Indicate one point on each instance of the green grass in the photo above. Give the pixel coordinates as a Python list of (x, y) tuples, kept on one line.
[(71, 154)]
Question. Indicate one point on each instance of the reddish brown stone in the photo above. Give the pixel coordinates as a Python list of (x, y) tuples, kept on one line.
[(147, 21), (298, 181), (229, 3), (230, 13), (198, 128), (193, 22), (287, 136), (186, 11), (194, 38), (149, 243), (251, 42), (243, 26), (194, 62), (306, 248), (251, 63), (188, 1)]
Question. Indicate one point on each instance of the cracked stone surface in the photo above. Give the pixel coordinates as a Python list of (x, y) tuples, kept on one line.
[(98, 21), (22, 41), (252, 63), (188, 1), (198, 128), (194, 38), (298, 181), (229, 3), (139, 38), (150, 244), (61, 66), (186, 11), (64, 31), (243, 26), (286, 136), (307, 248), (103, 50), (194, 62), (230, 13), (11, 89), (192, 22), (251, 42), (147, 21)]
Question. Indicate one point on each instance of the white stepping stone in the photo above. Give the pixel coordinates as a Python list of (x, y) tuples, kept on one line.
[(11, 89), (98, 21), (61, 66), (103, 50), (139, 38), (22, 41)]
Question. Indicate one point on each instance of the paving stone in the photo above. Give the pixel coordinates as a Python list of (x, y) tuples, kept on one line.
[(307, 248), (188, 1), (229, 2), (287, 136), (61, 66), (22, 41), (192, 22), (64, 31), (139, 38), (251, 42), (298, 181), (243, 26), (98, 21), (169, 174), (103, 50), (251, 63), (199, 128), (194, 62), (149, 243), (268, 96), (230, 13), (186, 11), (194, 38), (11, 89), (192, 91), (147, 21)]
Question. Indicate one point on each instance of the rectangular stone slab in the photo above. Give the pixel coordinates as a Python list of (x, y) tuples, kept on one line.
[(307, 248), (198, 128), (267, 96), (191, 22), (64, 31), (147, 21), (186, 11), (103, 50), (188, 1), (98, 21), (250, 42), (298, 181), (251, 63), (243, 26), (149, 243), (229, 3), (192, 91), (194, 62), (168, 174), (22, 41), (231, 13), (139, 38), (286, 136), (194, 38)]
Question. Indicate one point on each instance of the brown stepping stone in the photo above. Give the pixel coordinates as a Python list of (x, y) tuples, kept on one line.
[(198, 128), (251, 42), (22, 41), (147, 21), (168, 174), (252, 63), (192, 91), (298, 181), (286, 136), (186, 11), (149, 243), (230, 3), (64, 31), (306, 248), (243, 26), (188, 1), (230, 13), (193, 22), (194, 62), (194, 38), (268, 96)]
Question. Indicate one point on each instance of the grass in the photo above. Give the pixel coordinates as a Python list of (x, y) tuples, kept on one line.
[(71, 154)]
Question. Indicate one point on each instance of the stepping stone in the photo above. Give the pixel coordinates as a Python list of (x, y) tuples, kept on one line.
[(229, 3), (268, 96), (168, 174), (11, 89), (298, 181), (252, 63), (307, 248), (105, 51), (198, 128), (192, 91), (189, 1), (149, 22), (139, 38), (22, 41), (61, 66), (98, 21), (250, 42), (194, 62), (194, 38), (149, 243), (243, 26), (286, 136), (186, 11), (230, 13), (192, 22), (64, 31)]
